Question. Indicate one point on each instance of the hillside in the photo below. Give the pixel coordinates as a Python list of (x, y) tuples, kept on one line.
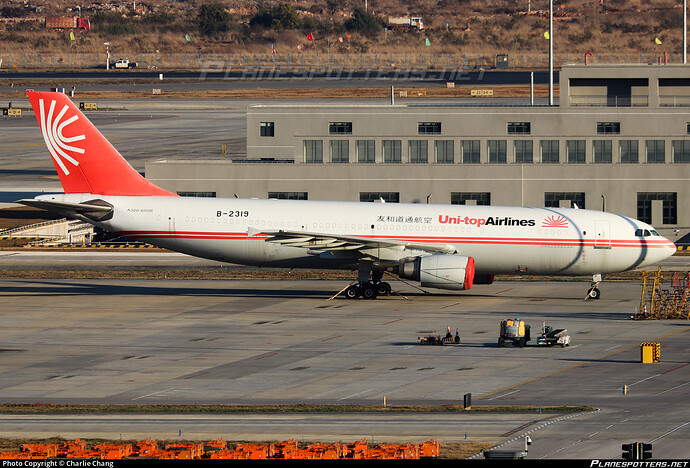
[(452, 26)]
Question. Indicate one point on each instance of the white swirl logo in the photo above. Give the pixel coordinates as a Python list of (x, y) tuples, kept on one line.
[(56, 142)]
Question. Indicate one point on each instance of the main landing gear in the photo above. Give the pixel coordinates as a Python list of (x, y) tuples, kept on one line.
[(594, 292), (366, 288)]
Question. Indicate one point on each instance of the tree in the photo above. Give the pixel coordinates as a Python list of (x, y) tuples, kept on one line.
[(281, 16), (363, 21), (213, 19)]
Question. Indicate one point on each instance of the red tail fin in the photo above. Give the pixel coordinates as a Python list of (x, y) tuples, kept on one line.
[(85, 161)]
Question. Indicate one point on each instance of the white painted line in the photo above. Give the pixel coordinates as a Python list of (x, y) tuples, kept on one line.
[(669, 432), (505, 394), (154, 393), (677, 386), (613, 347), (356, 394), (595, 433), (640, 381), (609, 427)]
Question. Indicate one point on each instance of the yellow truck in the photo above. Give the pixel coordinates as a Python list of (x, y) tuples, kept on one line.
[(515, 332)]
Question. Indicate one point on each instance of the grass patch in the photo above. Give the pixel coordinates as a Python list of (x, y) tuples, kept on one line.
[(44, 408)]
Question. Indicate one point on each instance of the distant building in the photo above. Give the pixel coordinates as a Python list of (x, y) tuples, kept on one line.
[(619, 141)]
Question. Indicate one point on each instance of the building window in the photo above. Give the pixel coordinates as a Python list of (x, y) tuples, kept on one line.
[(340, 151), (554, 199), (575, 152), (392, 151), (669, 206), (519, 128), (681, 151), (524, 151), (429, 128), (366, 151), (289, 195), (197, 194), (313, 151), (444, 150), (608, 128), (419, 151), (470, 198), (687, 128), (497, 152), (656, 151), (470, 152), (267, 129), (340, 128), (388, 197), (629, 151), (549, 151), (603, 151)]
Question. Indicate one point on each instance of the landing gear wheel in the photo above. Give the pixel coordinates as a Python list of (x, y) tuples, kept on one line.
[(352, 292), (383, 289), (594, 293), (369, 291)]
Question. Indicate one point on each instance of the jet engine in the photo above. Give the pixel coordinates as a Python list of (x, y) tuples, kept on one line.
[(445, 271)]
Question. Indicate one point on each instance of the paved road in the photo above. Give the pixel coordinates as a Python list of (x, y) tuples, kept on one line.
[(266, 342), (320, 76)]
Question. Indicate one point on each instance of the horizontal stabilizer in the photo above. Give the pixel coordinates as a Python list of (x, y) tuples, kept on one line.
[(95, 210)]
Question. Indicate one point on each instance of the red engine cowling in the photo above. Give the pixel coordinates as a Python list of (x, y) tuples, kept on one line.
[(440, 271)]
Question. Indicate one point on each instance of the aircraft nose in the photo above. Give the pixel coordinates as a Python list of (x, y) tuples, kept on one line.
[(666, 249)]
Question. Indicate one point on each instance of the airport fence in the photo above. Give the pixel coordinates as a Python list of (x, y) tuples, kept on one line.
[(315, 61)]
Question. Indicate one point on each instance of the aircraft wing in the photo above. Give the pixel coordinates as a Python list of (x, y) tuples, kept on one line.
[(96, 210), (320, 242)]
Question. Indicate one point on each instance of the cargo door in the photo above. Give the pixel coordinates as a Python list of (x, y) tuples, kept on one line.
[(602, 235)]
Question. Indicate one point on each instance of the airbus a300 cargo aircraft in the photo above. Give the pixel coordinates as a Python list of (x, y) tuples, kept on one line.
[(441, 246)]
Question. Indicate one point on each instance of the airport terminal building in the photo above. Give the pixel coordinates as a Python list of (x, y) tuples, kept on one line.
[(619, 141)]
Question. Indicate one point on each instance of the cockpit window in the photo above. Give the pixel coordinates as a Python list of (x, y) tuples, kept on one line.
[(645, 233)]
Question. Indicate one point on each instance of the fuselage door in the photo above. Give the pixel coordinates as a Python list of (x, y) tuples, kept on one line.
[(602, 235)]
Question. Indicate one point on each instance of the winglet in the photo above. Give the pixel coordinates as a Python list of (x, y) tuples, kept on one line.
[(85, 161)]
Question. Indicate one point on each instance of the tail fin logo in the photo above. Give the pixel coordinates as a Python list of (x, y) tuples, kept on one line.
[(52, 127)]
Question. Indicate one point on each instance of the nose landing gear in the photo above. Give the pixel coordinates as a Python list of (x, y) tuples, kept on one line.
[(593, 292)]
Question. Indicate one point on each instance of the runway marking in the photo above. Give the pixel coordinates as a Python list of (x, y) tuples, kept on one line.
[(575, 366), (612, 347), (355, 394), (505, 394), (327, 339), (669, 432), (264, 357), (609, 426), (640, 381), (154, 393), (676, 368), (673, 388), (593, 434)]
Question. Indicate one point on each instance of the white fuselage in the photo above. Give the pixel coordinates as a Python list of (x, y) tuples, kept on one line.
[(500, 239)]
